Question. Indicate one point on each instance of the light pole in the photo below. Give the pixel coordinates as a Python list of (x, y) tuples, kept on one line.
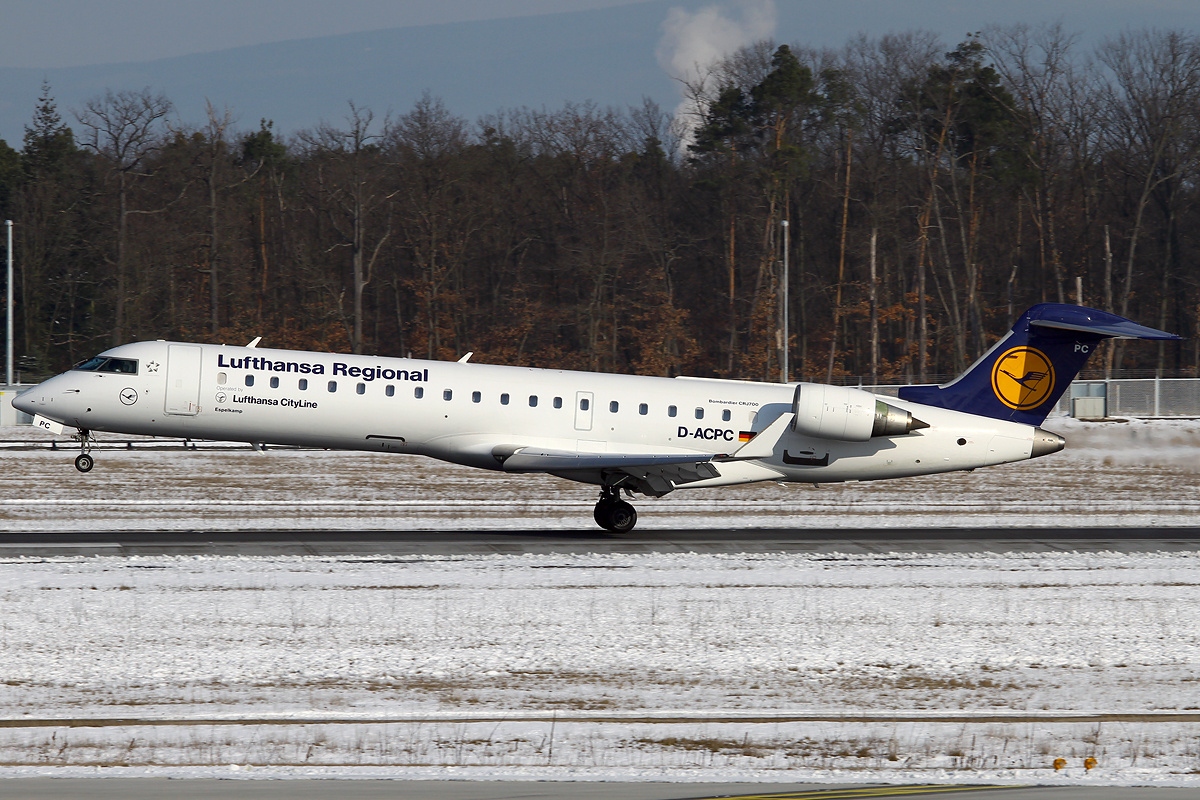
[(8, 331), (783, 355)]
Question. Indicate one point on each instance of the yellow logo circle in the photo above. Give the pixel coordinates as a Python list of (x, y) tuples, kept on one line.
[(1023, 378)]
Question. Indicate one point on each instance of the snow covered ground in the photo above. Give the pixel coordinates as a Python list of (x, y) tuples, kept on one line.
[(1136, 473), (679, 666)]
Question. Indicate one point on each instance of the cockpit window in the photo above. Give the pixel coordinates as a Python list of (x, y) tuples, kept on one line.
[(126, 366), (123, 366), (91, 365)]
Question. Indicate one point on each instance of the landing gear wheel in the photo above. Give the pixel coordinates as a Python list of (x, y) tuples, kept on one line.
[(600, 514), (621, 517), (84, 462), (615, 515)]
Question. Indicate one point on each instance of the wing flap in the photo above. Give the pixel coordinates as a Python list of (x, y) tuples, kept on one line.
[(534, 459), (653, 474)]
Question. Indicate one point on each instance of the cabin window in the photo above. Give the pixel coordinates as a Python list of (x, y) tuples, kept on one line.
[(274, 382), (504, 399), (533, 401), (332, 386), (558, 402), (361, 388), (583, 404), (672, 411), (418, 392), (726, 415), (303, 384), (447, 394), (699, 413), (249, 380), (643, 409), (476, 397), (222, 378), (613, 406), (390, 391)]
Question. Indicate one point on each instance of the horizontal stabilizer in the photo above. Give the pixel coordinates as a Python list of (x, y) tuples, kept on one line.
[(1095, 322)]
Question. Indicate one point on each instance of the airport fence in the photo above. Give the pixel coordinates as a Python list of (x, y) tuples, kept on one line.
[(1118, 397)]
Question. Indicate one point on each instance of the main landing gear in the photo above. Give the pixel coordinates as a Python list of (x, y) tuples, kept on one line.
[(614, 514), (84, 461)]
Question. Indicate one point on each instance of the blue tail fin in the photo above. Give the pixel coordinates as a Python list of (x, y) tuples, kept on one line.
[(1024, 374)]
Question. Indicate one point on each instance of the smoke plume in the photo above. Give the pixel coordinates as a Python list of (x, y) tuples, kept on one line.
[(693, 42)]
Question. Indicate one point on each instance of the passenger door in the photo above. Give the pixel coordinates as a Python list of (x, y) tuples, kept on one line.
[(183, 379)]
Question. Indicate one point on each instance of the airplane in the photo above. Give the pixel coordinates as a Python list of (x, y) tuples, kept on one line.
[(622, 433)]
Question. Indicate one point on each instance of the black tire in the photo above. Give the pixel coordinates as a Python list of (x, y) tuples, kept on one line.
[(84, 462), (600, 514), (621, 517)]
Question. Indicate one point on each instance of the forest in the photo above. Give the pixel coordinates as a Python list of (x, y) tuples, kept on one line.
[(919, 195)]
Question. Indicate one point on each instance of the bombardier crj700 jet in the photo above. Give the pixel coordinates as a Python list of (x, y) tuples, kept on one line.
[(620, 432)]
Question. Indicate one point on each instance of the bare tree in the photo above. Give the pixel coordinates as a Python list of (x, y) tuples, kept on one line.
[(885, 72), (1153, 111), (125, 128), (217, 163), (350, 190), (435, 222), (1036, 67)]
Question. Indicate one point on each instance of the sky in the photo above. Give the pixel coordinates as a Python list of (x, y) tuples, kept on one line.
[(62, 33), (33, 32), (298, 62)]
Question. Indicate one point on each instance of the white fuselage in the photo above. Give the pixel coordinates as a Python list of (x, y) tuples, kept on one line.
[(464, 413)]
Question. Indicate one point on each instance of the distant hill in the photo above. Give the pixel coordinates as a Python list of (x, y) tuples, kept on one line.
[(606, 56)]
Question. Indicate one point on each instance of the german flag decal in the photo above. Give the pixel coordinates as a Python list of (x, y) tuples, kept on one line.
[(745, 436)]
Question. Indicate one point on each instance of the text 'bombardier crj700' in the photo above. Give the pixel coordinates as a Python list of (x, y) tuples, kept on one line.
[(639, 434)]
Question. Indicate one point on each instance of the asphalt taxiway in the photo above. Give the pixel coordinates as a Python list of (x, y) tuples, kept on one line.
[(267, 542)]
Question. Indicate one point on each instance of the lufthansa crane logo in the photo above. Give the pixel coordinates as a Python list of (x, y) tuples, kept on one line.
[(1023, 378)]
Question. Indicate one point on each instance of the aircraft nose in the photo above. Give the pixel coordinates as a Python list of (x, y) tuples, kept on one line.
[(26, 401), (52, 398)]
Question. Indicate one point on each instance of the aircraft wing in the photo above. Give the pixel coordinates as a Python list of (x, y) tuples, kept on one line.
[(652, 473), (535, 459)]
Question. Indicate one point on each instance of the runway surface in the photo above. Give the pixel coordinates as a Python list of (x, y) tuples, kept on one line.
[(433, 542), (393, 544), (132, 789)]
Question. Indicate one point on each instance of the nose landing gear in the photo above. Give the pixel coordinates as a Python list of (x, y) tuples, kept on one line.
[(612, 513), (84, 462)]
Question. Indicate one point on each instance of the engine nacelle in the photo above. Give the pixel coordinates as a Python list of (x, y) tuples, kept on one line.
[(850, 415)]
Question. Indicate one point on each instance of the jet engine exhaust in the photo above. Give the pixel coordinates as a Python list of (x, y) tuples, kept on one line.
[(892, 421)]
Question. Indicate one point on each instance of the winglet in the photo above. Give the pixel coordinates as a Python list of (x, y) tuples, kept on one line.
[(254, 343)]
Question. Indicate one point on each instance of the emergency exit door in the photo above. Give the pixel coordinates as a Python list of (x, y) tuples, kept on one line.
[(583, 411)]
